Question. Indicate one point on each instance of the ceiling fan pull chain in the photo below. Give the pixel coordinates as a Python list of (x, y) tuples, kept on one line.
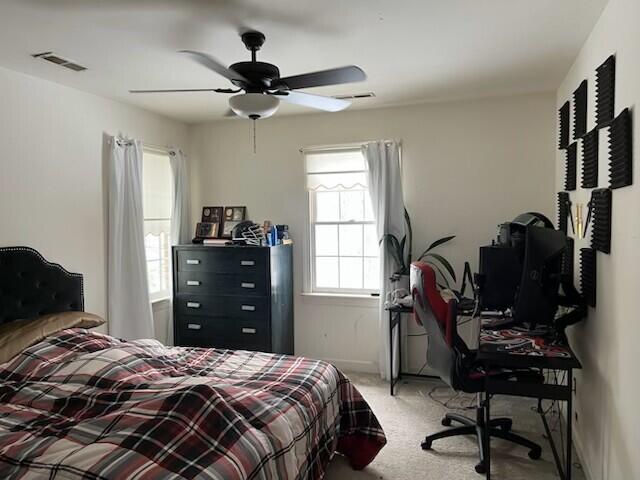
[(254, 135)]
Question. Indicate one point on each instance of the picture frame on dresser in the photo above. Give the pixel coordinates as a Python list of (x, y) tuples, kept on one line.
[(232, 216), (213, 215), (207, 230)]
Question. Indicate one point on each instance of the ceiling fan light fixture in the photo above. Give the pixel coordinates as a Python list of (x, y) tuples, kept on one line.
[(254, 105)]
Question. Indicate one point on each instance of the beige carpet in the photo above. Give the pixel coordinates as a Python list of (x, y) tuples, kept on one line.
[(411, 414)]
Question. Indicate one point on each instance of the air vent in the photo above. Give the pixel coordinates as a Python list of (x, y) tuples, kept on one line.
[(355, 96), (58, 60)]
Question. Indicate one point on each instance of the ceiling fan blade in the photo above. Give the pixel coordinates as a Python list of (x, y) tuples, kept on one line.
[(211, 63), (217, 90), (334, 76), (328, 104)]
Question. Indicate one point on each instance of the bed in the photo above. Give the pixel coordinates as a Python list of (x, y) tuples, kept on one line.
[(84, 405)]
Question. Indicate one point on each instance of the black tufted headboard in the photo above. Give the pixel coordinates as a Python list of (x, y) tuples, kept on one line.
[(30, 286)]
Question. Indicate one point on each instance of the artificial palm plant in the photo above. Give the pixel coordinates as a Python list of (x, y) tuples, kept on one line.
[(401, 252)]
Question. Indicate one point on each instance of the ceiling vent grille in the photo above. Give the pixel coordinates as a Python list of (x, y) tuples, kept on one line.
[(355, 96), (58, 60)]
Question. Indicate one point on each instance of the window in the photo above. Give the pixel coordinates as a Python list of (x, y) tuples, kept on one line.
[(157, 194), (344, 245)]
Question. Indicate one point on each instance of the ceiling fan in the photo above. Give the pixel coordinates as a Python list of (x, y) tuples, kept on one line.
[(264, 88)]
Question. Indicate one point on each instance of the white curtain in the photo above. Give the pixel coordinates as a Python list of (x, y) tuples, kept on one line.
[(180, 221), (385, 188), (180, 213), (129, 306)]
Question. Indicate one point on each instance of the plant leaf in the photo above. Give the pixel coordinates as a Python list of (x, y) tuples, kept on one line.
[(401, 250), (394, 248), (407, 219), (445, 263), (444, 277), (440, 242), (437, 243)]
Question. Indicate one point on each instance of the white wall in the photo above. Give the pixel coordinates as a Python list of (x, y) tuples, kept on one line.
[(467, 166), (608, 426), (51, 185)]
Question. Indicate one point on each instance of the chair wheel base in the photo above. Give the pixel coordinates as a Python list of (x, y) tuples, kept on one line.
[(481, 468), (426, 445), (535, 454)]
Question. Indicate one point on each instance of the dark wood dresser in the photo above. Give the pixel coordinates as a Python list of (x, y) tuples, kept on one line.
[(238, 297)]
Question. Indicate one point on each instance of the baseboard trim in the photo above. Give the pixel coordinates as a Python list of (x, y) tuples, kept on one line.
[(577, 442), (359, 366)]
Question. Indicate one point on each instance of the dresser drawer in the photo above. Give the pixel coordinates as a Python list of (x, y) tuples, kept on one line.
[(191, 340), (222, 260), (223, 332), (208, 283), (246, 308)]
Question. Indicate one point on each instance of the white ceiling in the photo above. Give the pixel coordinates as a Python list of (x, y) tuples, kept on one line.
[(412, 50)]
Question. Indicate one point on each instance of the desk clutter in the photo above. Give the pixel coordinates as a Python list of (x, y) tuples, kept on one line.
[(230, 226), (527, 273), (521, 341)]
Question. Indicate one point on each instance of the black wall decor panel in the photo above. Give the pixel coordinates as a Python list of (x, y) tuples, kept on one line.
[(588, 275), (570, 167), (601, 208), (621, 151), (605, 91), (565, 113), (580, 111), (567, 259), (590, 159), (564, 210)]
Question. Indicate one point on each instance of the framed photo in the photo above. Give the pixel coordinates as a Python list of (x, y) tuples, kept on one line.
[(232, 216), (213, 215), (207, 230)]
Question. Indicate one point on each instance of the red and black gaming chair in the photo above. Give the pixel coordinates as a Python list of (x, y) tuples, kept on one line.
[(455, 364)]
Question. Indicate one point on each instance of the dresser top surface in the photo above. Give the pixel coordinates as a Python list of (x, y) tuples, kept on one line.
[(234, 247)]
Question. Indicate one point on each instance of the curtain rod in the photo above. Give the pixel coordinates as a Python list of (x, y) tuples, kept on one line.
[(121, 140), (162, 148), (343, 146)]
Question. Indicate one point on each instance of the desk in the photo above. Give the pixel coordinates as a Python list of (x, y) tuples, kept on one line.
[(517, 348), (395, 321)]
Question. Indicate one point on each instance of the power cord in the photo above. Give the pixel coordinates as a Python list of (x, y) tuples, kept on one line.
[(453, 397), (424, 365), (556, 408)]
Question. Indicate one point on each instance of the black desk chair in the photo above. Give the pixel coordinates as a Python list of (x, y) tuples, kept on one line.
[(449, 357)]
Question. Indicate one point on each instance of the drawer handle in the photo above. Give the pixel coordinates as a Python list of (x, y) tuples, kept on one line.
[(193, 261), (193, 326), (251, 331), (248, 308), (193, 305), (247, 263), (248, 285), (193, 283)]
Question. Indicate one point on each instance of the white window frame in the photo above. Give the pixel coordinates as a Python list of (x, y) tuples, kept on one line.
[(310, 270), (167, 293)]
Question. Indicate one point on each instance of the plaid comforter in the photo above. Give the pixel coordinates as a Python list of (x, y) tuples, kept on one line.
[(82, 405)]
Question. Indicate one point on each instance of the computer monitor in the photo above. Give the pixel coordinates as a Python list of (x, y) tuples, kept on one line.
[(538, 293)]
